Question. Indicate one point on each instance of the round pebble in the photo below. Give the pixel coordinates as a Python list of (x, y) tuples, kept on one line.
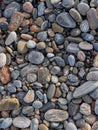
[(28, 7), (42, 36), (37, 104), (59, 39), (85, 109), (31, 44)]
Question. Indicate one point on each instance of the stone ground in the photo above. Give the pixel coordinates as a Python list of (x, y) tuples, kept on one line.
[(48, 64)]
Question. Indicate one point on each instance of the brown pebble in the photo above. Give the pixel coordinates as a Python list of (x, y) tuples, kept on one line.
[(49, 50), (43, 127), (86, 127), (5, 75), (34, 28), (25, 23), (26, 36), (3, 19), (41, 45), (16, 21), (81, 56), (5, 114), (58, 92), (21, 47)]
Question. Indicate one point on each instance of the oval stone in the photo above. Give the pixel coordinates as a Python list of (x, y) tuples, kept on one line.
[(65, 20), (56, 115), (35, 57), (21, 122), (93, 75), (2, 59), (85, 46)]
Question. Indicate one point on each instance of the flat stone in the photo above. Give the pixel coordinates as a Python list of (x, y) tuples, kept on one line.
[(31, 77), (35, 57), (93, 75), (2, 59), (11, 88), (68, 3), (51, 91), (85, 109), (5, 75), (28, 69), (91, 119), (57, 28), (56, 115), (6, 123), (83, 8), (85, 88), (85, 46), (11, 38), (65, 20), (96, 107), (9, 104), (72, 48), (86, 127), (43, 75), (42, 36), (92, 16), (75, 32), (29, 97), (34, 124), (16, 21), (75, 15), (43, 127), (71, 126), (21, 122), (55, 1), (28, 110)]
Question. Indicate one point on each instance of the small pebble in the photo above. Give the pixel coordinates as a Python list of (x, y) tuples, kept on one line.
[(37, 104), (28, 7)]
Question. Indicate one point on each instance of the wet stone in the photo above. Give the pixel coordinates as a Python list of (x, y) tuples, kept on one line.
[(9, 104), (56, 115), (75, 32), (85, 46), (81, 56), (27, 110), (95, 45), (35, 57), (11, 88), (47, 106), (31, 44), (21, 122), (31, 77), (65, 20), (27, 7)]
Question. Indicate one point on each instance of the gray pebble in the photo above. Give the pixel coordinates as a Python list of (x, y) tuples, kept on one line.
[(27, 110), (39, 94), (72, 109), (41, 8), (68, 3), (7, 122), (85, 46), (42, 36), (71, 126), (60, 62), (84, 26), (94, 94), (59, 38), (96, 107), (2, 59), (31, 77), (85, 109), (11, 88), (51, 91), (37, 104), (72, 48), (31, 44), (15, 74), (87, 36), (71, 60), (17, 83)]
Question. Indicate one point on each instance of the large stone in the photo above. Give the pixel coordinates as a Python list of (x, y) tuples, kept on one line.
[(92, 16), (65, 20), (56, 115), (85, 88), (21, 122), (35, 57), (9, 104)]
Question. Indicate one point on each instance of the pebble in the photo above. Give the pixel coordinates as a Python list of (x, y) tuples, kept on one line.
[(11, 88), (37, 104), (62, 101), (7, 1), (80, 123), (28, 69), (57, 28), (54, 79), (85, 109), (56, 115), (55, 70), (21, 47), (11, 38), (5, 75), (83, 8), (95, 126), (2, 59), (34, 124), (72, 48), (28, 110), (68, 3), (94, 94), (92, 18), (47, 106), (81, 56), (93, 75), (85, 88), (75, 32), (39, 94), (29, 97), (65, 20), (84, 26), (7, 122), (28, 7), (31, 78), (41, 45), (73, 109), (31, 44), (4, 26), (35, 57), (15, 74), (59, 38), (96, 107), (42, 36), (95, 61), (41, 8), (86, 127), (51, 91), (16, 21), (75, 15), (21, 122), (71, 60), (90, 119), (43, 75), (9, 104), (26, 36), (95, 45), (60, 62), (87, 37), (55, 1), (71, 126), (11, 8), (43, 127), (85, 46)]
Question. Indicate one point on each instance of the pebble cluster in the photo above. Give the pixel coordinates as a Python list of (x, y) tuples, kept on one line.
[(48, 64)]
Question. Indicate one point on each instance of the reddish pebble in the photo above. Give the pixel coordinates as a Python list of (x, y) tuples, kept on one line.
[(28, 7), (81, 56)]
